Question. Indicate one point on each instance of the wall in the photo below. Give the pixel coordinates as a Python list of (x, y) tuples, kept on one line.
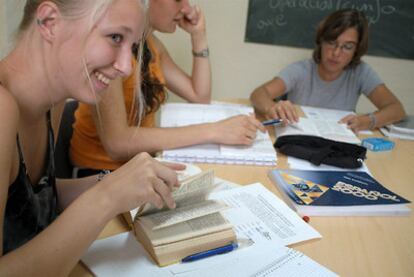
[(10, 14), (239, 67)]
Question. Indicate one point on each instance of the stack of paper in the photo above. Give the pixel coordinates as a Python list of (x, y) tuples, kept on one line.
[(402, 130), (261, 152), (257, 214)]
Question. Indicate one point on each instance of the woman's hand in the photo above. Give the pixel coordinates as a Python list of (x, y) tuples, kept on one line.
[(237, 130), (283, 110), (193, 21), (357, 122), (141, 180)]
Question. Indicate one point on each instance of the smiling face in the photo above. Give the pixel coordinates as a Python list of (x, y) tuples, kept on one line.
[(89, 60), (165, 14), (336, 55)]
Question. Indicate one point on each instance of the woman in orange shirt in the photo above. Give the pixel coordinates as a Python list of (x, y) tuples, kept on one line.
[(122, 130)]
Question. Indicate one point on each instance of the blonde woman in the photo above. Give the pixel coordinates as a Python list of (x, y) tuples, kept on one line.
[(65, 48), (120, 132)]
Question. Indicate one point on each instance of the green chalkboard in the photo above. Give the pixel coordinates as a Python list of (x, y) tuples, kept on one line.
[(293, 23)]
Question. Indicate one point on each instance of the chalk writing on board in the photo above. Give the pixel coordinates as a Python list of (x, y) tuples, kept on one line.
[(373, 11), (294, 22)]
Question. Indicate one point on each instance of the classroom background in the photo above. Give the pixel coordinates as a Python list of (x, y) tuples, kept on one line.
[(239, 67)]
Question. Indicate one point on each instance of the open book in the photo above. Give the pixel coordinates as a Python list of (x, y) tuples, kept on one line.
[(261, 152), (194, 226), (329, 129)]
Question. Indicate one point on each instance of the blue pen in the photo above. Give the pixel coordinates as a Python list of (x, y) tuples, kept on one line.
[(272, 122), (220, 250)]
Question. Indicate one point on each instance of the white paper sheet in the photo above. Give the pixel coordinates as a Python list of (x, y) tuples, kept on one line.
[(295, 163), (257, 215), (336, 115)]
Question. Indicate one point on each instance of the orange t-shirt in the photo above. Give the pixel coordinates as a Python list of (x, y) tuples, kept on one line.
[(86, 149)]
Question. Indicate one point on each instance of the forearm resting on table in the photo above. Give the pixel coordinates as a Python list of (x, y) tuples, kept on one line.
[(141, 139)]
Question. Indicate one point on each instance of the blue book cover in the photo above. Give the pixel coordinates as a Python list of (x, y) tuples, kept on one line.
[(337, 193)]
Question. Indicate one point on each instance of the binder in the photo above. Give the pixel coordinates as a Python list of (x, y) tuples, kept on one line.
[(261, 152)]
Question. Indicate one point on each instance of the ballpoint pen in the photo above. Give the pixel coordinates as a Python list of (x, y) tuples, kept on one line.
[(208, 253), (272, 122)]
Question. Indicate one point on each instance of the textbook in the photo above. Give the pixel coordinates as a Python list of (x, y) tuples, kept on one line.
[(261, 152), (190, 170), (194, 226), (328, 129), (337, 193), (402, 130)]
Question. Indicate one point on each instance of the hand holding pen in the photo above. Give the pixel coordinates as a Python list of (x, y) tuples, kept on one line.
[(283, 110)]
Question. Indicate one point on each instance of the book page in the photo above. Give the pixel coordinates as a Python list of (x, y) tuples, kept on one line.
[(323, 114), (200, 184), (330, 114), (167, 218), (191, 228), (323, 128), (257, 214), (193, 189)]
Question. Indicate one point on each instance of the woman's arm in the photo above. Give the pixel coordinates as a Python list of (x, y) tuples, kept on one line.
[(262, 99), (70, 189), (122, 142), (56, 250), (197, 87), (9, 113), (390, 110)]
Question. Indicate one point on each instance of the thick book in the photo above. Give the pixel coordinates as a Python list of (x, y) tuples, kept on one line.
[(190, 170), (194, 226), (337, 193), (261, 152), (325, 128)]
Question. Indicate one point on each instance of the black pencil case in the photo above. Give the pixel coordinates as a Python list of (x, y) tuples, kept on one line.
[(319, 150)]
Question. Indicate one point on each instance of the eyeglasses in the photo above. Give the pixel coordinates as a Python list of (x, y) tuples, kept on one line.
[(347, 47)]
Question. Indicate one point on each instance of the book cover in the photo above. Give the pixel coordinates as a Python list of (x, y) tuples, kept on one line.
[(337, 193)]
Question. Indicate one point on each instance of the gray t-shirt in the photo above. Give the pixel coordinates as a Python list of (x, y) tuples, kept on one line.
[(305, 87)]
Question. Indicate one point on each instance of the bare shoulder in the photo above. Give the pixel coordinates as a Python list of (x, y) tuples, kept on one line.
[(9, 114), (9, 111), (158, 44)]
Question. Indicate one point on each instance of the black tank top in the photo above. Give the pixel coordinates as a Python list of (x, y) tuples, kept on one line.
[(30, 209)]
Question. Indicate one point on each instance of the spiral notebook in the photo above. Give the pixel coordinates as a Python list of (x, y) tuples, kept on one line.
[(261, 152)]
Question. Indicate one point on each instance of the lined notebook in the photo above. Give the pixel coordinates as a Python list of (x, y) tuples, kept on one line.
[(261, 152)]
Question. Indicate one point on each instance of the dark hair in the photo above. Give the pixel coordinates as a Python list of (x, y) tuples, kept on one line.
[(152, 89), (330, 28)]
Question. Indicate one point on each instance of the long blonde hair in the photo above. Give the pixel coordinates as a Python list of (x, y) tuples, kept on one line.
[(74, 9)]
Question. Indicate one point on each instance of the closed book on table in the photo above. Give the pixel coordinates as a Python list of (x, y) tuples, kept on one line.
[(337, 193)]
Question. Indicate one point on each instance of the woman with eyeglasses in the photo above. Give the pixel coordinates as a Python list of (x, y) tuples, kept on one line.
[(333, 79)]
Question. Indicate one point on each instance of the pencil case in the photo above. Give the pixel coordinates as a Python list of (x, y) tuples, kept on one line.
[(377, 144)]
